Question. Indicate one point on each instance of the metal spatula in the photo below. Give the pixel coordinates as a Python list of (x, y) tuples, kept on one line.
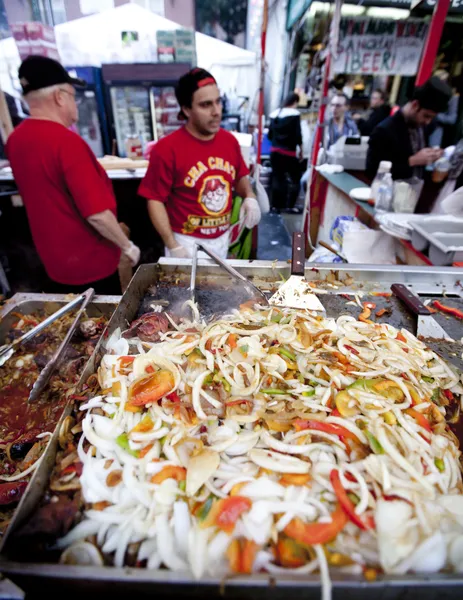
[(296, 291), (428, 329)]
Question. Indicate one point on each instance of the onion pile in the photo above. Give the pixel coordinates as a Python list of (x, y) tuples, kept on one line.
[(273, 440)]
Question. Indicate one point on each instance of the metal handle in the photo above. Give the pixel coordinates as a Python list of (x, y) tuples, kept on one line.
[(38, 328), (410, 300), (233, 272), (222, 263), (53, 364), (298, 254), (194, 267), (331, 249)]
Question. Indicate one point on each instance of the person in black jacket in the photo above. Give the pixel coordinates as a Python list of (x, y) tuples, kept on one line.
[(285, 135), (380, 110), (401, 138)]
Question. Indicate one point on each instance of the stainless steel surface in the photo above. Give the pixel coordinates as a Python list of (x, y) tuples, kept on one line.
[(248, 286), (42, 380), (6, 352), (443, 235), (427, 280), (429, 327), (446, 248), (28, 304)]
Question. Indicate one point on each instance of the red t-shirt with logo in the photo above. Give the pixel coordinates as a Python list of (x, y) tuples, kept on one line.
[(194, 179), (62, 184)]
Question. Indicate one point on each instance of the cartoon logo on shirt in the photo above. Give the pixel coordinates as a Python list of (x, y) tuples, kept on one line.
[(214, 194)]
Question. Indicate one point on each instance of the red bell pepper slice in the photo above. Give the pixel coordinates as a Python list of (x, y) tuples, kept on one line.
[(450, 310), (346, 503), (448, 394), (317, 533), (333, 428), (419, 418)]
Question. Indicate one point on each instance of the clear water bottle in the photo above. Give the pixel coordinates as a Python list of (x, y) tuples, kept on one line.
[(382, 188)]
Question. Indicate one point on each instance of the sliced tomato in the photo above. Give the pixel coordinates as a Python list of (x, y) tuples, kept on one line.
[(448, 394), (346, 502), (400, 336), (169, 472), (225, 513), (173, 397), (317, 533), (150, 369), (335, 413), (151, 388)]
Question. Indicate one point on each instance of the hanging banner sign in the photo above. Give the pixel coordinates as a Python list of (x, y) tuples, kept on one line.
[(379, 46)]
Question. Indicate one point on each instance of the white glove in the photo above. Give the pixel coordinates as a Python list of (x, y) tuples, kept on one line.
[(179, 252), (250, 212), (133, 253)]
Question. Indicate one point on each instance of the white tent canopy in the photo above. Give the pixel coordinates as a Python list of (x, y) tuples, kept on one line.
[(96, 39)]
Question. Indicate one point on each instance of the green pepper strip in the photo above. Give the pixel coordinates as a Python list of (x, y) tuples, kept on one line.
[(287, 354), (374, 444), (123, 441), (275, 392)]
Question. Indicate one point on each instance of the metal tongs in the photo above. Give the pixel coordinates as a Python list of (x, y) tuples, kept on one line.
[(44, 377), (6, 352), (251, 289)]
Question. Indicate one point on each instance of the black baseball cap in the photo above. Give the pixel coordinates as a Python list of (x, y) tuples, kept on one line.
[(433, 95), (188, 84), (37, 72)]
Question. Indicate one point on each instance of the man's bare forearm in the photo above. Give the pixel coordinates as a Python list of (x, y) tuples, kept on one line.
[(160, 220), (107, 226), (243, 188)]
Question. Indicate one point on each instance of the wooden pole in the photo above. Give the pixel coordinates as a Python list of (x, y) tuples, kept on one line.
[(6, 125), (431, 45), (260, 112)]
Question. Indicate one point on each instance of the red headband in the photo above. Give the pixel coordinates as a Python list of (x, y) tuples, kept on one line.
[(206, 81)]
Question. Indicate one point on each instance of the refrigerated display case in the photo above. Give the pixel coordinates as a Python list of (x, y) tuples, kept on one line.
[(141, 100), (93, 123)]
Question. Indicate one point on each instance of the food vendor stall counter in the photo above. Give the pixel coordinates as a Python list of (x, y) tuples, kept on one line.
[(331, 198)]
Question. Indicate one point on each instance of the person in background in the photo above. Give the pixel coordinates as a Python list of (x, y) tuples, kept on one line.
[(340, 123), (192, 172), (68, 197), (286, 137), (442, 130), (380, 110), (401, 138)]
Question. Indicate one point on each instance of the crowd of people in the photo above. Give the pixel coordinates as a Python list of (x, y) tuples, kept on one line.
[(194, 172)]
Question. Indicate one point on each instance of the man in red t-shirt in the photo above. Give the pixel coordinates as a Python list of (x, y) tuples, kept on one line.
[(68, 197), (193, 171)]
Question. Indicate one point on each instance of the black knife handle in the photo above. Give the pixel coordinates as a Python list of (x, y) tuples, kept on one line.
[(298, 256), (409, 299)]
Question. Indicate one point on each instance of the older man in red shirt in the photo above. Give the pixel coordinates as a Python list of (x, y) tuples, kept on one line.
[(68, 197)]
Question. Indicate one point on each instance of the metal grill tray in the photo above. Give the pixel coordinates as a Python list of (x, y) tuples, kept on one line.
[(28, 304), (173, 275)]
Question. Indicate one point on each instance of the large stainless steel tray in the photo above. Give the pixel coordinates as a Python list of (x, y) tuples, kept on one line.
[(74, 579), (27, 304)]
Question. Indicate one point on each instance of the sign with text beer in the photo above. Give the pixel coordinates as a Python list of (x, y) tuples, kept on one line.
[(379, 46)]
